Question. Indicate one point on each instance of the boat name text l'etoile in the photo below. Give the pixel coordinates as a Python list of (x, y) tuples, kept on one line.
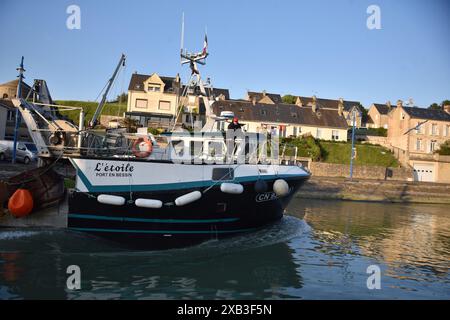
[(103, 169)]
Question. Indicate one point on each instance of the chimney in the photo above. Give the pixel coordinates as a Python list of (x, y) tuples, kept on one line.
[(254, 100), (177, 78), (388, 104), (341, 107), (399, 103), (298, 102), (446, 108), (314, 104), (264, 93)]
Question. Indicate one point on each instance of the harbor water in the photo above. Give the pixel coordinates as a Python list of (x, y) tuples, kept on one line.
[(319, 250)]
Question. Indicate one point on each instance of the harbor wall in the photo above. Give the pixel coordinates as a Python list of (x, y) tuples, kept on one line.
[(329, 188), (322, 169)]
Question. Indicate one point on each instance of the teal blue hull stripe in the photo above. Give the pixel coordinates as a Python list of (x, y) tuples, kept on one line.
[(172, 186), (97, 217), (162, 231)]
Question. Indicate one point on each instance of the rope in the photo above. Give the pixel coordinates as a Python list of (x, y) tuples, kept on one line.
[(35, 177)]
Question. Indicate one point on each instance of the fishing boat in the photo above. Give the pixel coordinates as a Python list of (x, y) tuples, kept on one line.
[(170, 190)]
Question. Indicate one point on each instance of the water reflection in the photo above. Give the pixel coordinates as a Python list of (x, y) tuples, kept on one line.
[(321, 250), (411, 241)]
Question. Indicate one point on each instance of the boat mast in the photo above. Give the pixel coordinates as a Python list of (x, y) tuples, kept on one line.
[(195, 80), (101, 104)]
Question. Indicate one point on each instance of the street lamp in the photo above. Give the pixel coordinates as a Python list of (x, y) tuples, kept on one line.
[(355, 112)]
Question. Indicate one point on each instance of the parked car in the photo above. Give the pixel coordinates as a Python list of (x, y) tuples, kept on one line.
[(25, 151)]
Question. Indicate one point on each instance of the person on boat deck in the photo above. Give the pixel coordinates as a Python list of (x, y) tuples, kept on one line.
[(235, 125), (234, 129)]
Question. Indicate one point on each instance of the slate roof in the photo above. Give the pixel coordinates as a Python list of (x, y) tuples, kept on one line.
[(329, 103), (428, 114), (383, 108), (275, 97), (281, 113), (137, 83)]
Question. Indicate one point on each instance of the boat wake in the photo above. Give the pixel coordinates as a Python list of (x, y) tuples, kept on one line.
[(59, 241)]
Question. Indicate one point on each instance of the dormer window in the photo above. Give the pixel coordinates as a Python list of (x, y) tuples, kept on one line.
[(152, 87), (263, 112), (294, 115)]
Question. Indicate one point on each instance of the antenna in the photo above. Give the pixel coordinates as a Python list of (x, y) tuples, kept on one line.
[(182, 38)]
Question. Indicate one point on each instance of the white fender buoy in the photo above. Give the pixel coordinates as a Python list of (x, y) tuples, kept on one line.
[(188, 198), (148, 203), (112, 200), (233, 188), (280, 187)]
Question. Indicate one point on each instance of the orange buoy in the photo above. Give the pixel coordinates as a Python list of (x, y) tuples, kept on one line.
[(21, 203)]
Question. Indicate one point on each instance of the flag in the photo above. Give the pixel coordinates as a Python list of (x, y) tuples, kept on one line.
[(205, 45)]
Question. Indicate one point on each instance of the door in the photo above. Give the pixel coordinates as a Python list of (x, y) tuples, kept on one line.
[(424, 172)]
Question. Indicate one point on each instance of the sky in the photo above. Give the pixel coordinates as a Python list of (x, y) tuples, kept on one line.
[(297, 47)]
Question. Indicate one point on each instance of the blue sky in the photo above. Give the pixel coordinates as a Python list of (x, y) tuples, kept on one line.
[(297, 47)]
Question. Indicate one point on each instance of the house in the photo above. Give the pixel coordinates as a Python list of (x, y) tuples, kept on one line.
[(344, 107), (154, 101), (378, 115), (415, 134), (8, 91), (286, 120), (263, 97)]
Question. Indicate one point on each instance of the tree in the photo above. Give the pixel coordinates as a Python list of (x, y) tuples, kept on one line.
[(290, 99), (434, 106), (121, 98), (444, 148)]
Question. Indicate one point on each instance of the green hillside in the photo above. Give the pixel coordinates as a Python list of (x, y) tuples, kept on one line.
[(110, 108)]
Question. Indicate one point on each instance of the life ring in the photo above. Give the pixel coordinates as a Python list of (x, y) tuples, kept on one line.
[(142, 147)]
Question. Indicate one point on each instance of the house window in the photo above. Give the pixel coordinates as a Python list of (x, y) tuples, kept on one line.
[(153, 87), (419, 144), (141, 103), (402, 116), (433, 145), (5, 96), (447, 130), (263, 112), (319, 133), (164, 105), (299, 130), (295, 131), (419, 129), (434, 129), (335, 135)]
